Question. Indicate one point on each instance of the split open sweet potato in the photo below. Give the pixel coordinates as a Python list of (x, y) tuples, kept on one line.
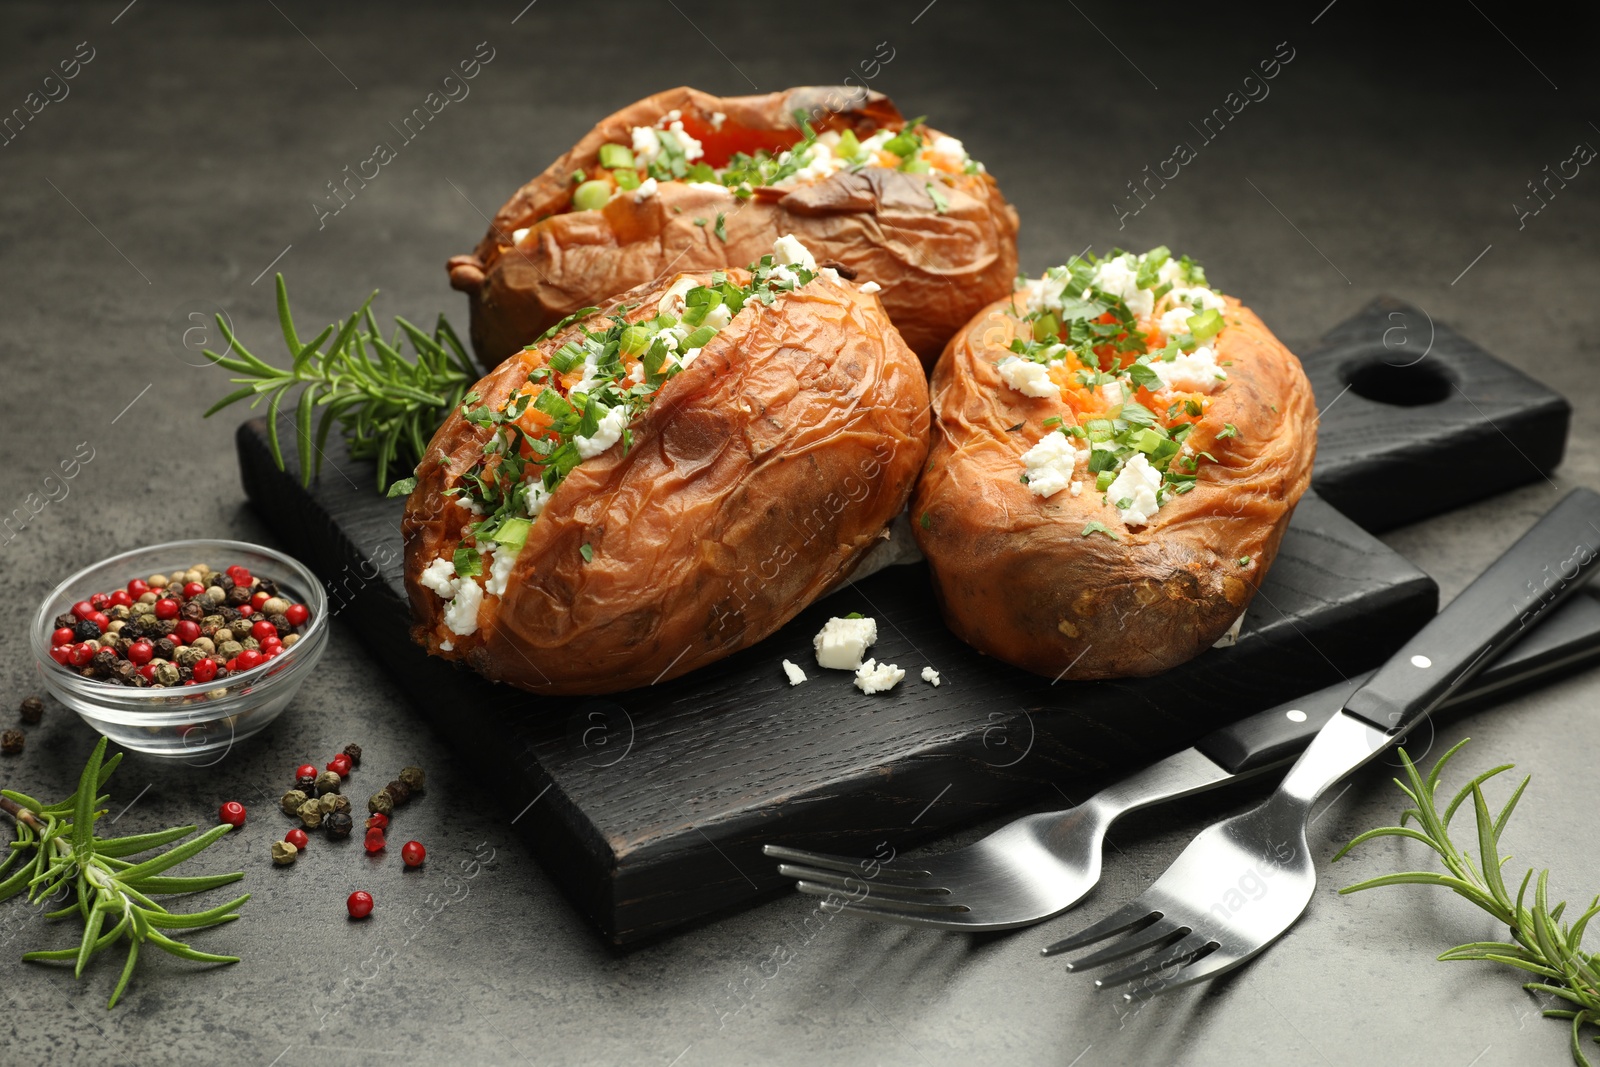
[(1117, 451), (665, 482), (687, 181)]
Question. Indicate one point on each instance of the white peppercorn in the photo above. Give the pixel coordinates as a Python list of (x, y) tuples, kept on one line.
[(310, 814), (328, 782), (284, 853)]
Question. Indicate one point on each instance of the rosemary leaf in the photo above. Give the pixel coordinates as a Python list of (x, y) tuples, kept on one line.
[(387, 404), (1542, 944), (60, 858)]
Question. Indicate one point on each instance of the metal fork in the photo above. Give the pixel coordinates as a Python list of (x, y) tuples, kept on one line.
[(1244, 881), (1040, 865)]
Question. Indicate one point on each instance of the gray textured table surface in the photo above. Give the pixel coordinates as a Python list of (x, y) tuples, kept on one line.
[(185, 160)]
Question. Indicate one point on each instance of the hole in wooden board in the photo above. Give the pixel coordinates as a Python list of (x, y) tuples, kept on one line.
[(1411, 386)]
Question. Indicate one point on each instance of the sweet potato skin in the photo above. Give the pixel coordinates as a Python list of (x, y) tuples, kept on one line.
[(936, 269), (757, 478), (1015, 576)]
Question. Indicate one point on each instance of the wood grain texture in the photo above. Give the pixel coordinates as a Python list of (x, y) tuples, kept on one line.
[(1418, 419), (650, 807)]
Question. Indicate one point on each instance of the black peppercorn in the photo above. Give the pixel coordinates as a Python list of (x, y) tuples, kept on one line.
[(86, 630), (103, 661), (307, 784), (398, 791), (267, 586), (67, 619), (165, 648), (32, 710), (354, 752), (194, 611), (223, 582), (238, 595), (11, 742), (284, 626), (338, 824), (229, 615)]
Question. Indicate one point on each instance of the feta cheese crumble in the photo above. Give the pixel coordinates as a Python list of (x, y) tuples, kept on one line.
[(500, 571), (1027, 377), (439, 576), (609, 432), (1190, 372), (1050, 464), (930, 676), (875, 677), (795, 674), (788, 251), (841, 642), (871, 287), (462, 614), (1137, 486), (646, 190)]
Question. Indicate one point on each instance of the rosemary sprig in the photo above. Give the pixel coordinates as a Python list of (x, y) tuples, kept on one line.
[(386, 404), (1541, 943), (56, 854)]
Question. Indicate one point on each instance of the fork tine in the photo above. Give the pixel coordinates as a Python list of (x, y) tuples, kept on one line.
[(1158, 935), (855, 886), (1128, 915), (946, 918), (1207, 966), (1175, 955), (879, 907), (849, 881), (827, 861)]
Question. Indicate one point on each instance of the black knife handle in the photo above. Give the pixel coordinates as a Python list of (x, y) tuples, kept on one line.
[(1543, 568), (1568, 638)]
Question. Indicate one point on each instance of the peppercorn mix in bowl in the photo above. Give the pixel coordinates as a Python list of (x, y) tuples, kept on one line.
[(202, 696)]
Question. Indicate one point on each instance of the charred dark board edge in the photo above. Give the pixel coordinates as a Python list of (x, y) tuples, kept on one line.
[(1385, 464), (626, 801)]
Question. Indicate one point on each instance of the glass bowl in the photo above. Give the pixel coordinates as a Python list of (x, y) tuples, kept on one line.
[(193, 721)]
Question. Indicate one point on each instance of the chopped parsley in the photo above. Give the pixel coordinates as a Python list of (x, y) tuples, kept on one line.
[(543, 431), (1099, 528), (721, 229), (587, 552), (927, 521), (1228, 430), (1074, 323), (747, 171)]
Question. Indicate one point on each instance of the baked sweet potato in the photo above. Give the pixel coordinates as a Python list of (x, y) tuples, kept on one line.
[(651, 488), (686, 181), (1117, 450)]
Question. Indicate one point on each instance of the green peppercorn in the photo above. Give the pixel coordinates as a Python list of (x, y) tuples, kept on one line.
[(284, 853), (291, 802), (222, 636), (167, 673), (335, 802), (338, 824), (328, 782), (381, 802), (251, 643), (413, 777), (32, 710), (229, 649), (310, 814), (327, 803), (354, 752)]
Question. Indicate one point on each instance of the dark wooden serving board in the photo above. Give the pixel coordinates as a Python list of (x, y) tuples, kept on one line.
[(650, 807)]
